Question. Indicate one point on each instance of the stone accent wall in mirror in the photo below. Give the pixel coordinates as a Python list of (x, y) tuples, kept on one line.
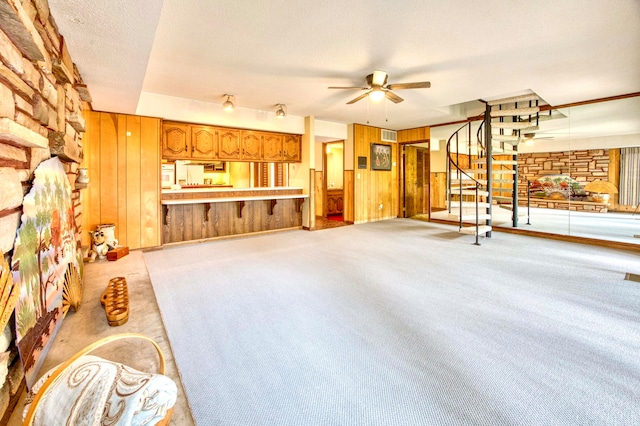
[(593, 142)]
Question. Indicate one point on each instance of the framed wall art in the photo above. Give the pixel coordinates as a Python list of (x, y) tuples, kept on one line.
[(380, 156)]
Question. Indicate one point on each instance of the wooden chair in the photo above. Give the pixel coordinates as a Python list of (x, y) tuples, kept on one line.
[(89, 390)]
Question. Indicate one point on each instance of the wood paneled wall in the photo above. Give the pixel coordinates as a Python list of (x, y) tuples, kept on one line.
[(419, 134), (122, 153), (348, 213), (319, 198), (438, 191), (375, 192)]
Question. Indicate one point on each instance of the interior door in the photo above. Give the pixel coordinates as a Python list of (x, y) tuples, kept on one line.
[(416, 181)]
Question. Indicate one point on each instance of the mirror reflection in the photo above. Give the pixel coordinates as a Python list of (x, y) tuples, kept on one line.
[(578, 173)]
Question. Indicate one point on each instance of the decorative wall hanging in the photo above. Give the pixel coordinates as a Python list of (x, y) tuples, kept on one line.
[(45, 251), (380, 156)]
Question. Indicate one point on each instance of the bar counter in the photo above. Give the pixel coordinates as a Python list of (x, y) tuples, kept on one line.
[(191, 214)]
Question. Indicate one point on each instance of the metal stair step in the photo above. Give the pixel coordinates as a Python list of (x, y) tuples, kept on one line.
[(515, 111), (483, 160), (514, 99), (505, 138), (503, 151), (467, 217), (499, 189), (478, 171), (512, 143), (467, 204), (517, 125), (503, 171), (501, 198), (471, 230), (466, 181), (481, 193), (456, 189)]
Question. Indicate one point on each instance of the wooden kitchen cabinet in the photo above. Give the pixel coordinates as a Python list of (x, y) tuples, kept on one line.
[(229, 144), (292, 148), (251, 145), (176, 141), (272, 147), (204, 143), (183, 141)]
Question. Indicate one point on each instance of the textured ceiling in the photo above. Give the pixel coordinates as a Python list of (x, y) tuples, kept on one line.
[(270, 52)]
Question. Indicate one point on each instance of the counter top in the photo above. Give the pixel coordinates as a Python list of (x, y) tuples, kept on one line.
[(231, 199), (221, 188)]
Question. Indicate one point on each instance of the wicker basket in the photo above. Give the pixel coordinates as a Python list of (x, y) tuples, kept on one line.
[(38, 397)]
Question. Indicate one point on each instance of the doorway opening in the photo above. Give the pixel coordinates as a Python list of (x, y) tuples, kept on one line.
[(415, 183), (333, 181)]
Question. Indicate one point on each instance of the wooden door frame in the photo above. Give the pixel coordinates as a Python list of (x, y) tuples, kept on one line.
[(324, 179), (402, 177), (324, 174)]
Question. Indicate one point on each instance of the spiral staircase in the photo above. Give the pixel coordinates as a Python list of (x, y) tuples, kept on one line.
[(473, 192)]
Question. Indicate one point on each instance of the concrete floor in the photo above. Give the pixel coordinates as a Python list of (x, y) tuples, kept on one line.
[(89, 324)]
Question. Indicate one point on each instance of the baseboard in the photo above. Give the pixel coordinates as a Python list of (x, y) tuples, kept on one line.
[(569, 238), (229, 237)]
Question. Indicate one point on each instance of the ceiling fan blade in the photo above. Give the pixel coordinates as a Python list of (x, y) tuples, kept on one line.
[(358, 98), (353, 87), (379, 78), (416, 85), (393, 97)]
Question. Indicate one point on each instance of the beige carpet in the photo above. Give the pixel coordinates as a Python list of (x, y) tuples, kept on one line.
[(402, 322)]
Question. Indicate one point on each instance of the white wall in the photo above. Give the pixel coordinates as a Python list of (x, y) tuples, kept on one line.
[(193, 111), (551, 145), (335, 165), (438, 161)]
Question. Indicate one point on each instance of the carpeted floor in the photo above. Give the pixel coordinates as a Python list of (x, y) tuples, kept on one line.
[(402, 322)]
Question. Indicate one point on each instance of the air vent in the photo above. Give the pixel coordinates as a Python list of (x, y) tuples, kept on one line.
[(389, 135)]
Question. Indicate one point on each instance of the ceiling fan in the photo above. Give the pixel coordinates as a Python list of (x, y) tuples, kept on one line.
[(529, 138), (379, 89)]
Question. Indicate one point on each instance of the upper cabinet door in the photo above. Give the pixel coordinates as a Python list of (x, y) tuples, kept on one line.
[(203, 142), (251, 145), (292, 148), (176, 142), (272, 147), (229, 145)]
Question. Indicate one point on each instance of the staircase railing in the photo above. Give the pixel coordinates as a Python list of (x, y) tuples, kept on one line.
[(484, 142), (459, 173)]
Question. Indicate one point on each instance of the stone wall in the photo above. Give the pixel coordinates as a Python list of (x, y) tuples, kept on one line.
[(42, 97), (583, 166)]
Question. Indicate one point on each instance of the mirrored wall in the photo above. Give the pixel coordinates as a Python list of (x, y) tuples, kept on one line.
[(578, 174)]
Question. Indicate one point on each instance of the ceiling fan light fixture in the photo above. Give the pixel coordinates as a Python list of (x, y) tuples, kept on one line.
[(376, 94), (281, 111), (378, 89), (228, 105)]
